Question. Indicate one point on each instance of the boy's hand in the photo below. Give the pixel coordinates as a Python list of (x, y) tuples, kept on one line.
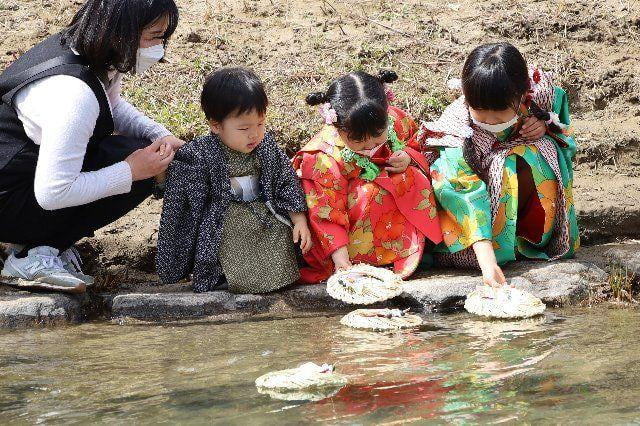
[(533, 128), (301, 232), (398, 162)]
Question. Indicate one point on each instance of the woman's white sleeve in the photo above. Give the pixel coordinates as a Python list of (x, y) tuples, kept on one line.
[(60, 113), (129, 121)]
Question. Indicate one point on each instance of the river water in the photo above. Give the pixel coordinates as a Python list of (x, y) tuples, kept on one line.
[(571, 366)]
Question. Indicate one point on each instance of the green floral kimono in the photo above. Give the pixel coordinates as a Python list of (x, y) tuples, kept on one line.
[(475, 181)]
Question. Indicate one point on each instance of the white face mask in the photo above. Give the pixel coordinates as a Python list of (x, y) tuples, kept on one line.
[(496, 128), (148, 56)]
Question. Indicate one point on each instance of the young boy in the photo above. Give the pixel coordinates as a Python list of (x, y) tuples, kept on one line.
[(232, 197)]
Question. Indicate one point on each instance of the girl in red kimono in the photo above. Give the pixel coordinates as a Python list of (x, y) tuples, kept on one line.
[(366, 184)]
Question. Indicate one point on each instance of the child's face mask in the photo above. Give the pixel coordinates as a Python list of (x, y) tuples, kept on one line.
[(496, 128), (501, 130)]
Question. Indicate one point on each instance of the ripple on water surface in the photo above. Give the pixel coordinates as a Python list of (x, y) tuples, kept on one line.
[(561, 367)]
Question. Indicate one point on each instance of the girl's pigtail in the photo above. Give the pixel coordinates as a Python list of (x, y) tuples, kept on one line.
[(316, 98), (387, 76)]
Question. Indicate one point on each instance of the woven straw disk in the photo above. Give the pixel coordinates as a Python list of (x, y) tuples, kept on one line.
[(503, 302), (381, 319), (306, 382), (364, 284)]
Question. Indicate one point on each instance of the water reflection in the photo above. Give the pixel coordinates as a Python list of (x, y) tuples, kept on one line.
[(456, 369), (357, 400)]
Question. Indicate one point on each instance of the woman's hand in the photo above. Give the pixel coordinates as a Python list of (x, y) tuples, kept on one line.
[(491, 273), (340, 259), (533, 128), (398, 162), (174, 142), (301, 231), (150, 161)]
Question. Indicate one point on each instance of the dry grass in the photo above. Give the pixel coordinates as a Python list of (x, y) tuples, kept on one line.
[(621, 281), (298, 47)]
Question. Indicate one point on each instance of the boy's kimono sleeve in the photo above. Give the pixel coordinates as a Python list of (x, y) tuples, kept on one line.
[(184, 201), (326, 193), (289, 194)]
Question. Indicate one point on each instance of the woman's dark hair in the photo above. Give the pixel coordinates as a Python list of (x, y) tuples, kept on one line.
[(360, 102), (494, 77), (107, 32), (232, 91)]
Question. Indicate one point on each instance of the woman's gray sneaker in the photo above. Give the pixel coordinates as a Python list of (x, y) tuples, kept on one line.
[(72, 262), (41, 269)]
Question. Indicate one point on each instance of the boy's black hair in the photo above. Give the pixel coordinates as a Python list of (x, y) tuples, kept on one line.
[(107, 32), (494, 77), (232, 91), (360, 102)]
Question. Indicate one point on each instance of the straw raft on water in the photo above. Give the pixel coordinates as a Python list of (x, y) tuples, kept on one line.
[(308, 381), (381, 319)]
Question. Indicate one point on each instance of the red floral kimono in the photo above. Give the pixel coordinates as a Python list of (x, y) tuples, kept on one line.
[(382, 220)]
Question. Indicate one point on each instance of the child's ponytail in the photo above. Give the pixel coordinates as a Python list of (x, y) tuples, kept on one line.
[(387, 76), (316, 98)]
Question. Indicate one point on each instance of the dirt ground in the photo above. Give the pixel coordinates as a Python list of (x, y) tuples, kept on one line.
[(299, 46)]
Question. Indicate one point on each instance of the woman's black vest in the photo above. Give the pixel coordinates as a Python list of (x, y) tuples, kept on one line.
[(18, 154)]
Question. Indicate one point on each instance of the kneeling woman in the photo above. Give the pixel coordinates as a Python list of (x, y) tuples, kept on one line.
[(63, 174), (502, 166), (366, 184)]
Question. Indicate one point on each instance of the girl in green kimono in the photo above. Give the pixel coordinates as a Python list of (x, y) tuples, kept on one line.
[(502, 166)]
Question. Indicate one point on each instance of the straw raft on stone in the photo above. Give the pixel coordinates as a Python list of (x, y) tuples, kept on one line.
[(503, 302), (364, 284)]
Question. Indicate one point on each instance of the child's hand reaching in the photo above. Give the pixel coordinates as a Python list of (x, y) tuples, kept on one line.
[(492, 274), (341, 260), (301, 232), (533, 128), (398, 162)]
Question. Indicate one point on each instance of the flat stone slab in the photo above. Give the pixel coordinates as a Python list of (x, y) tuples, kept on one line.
[(24, 309), (557, 284), (627, 256)]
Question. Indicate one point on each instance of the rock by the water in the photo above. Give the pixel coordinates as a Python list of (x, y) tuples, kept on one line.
[(627, 256), (557, 284), (22, 309)]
